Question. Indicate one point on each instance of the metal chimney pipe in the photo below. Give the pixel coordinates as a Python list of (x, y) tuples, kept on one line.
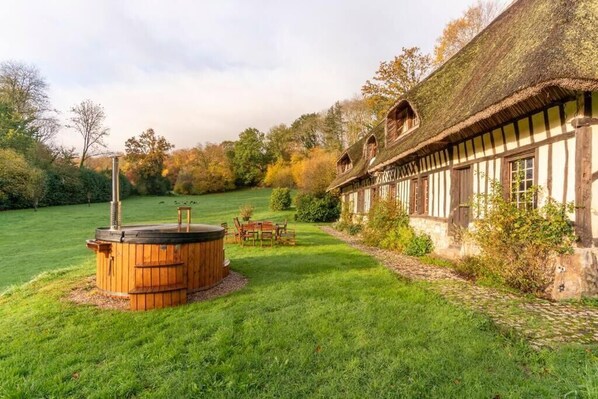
[(115, 216)]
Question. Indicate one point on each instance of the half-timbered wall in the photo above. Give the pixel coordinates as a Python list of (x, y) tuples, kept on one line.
[(547, 135)]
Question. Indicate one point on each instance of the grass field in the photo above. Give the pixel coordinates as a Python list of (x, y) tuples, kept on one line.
[(316, 320)]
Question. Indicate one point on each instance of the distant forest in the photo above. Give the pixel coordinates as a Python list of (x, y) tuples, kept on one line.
[(35, 171)]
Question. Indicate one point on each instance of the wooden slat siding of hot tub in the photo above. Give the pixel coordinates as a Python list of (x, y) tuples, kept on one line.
[(151, 280), (160, 277), (216, 271), (138, 301), (155, 253), (117, 269), (212, 269), (181, 273), (148, 277), (126, 267), (192, 266), (114, 266), (132, 269), (204, 264), (217, 266), (198, 265), (216, 262), (160, 267), (212, 273), (207, 263), (100, 271)]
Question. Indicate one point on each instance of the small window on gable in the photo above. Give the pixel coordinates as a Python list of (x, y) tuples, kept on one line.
[(371, 148), (344, 164), (400, 120)]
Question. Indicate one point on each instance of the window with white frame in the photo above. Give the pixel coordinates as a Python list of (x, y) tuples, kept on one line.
[(521, 175)]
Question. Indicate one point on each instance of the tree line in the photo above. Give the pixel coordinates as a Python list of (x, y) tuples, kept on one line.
[(34, 171)]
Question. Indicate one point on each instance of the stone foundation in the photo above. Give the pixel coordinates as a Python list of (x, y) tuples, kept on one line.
[(436, 229), (576, 275)]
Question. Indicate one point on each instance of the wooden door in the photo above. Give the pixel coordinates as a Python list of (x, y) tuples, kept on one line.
[(463, 193)]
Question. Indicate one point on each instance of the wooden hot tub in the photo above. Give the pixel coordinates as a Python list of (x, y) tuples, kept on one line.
[(156, 266)]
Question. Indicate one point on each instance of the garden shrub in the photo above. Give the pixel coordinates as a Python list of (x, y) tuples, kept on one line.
[(398, 238), (354, 229), (345, 220), (471, 267), (97, 187), (384, 216), (388, 227), (20, 183), (419, 245), (520, 243), (314, 208), (64, 186), (280, 199)]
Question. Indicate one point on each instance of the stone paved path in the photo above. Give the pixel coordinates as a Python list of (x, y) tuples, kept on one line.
[(541, 322)]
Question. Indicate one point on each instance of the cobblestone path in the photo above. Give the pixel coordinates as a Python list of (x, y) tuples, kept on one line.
[(541, 322)]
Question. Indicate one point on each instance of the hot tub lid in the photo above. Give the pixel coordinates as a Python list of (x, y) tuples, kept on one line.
[(161, 234)]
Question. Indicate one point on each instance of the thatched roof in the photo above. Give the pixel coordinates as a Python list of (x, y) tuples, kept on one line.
[(357, 156), (536, 49)]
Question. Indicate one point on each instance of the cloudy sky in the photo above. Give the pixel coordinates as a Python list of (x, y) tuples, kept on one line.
[(199, 71)]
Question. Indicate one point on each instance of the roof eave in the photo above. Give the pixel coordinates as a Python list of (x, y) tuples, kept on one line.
[(520, 96)]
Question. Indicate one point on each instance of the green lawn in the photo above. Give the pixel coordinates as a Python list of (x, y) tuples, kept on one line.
[(316, 320)]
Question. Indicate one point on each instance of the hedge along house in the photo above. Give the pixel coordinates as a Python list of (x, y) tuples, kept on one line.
[(520, 97)]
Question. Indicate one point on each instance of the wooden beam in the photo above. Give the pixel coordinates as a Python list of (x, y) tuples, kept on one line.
[(583, 177)]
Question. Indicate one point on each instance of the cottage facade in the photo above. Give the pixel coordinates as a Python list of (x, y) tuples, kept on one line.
[(521, 99)]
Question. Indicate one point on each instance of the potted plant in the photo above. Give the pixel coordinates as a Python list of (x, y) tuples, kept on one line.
[(246, 211)]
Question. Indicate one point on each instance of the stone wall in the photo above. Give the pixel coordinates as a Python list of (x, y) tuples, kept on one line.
[(436, 229), (576, 275)]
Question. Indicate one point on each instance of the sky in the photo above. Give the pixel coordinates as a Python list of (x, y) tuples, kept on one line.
[(203, 71)]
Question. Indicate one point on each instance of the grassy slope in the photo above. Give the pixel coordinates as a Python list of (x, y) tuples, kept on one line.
[(33, 242), (317, 320)]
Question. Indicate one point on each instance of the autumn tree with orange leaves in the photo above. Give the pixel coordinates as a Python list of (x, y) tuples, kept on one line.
[(394, 78), (458, 32)]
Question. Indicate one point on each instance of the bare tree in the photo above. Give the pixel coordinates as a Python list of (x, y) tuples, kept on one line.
[(88, 121), (24, 89), (46, 128)]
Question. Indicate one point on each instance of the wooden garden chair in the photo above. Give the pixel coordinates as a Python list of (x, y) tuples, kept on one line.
[(228, 234), (238, 230), (248, 232), (281, 228), (287, 236), (268, 232)]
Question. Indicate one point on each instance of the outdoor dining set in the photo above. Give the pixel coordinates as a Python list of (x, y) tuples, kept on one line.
[(260, 231)]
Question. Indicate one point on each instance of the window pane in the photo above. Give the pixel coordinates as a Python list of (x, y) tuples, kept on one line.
[(529, 174), (522, 179)]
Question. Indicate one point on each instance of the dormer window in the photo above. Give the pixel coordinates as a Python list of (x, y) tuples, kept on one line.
[(344, 164), (400, 120), (371, 148)]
